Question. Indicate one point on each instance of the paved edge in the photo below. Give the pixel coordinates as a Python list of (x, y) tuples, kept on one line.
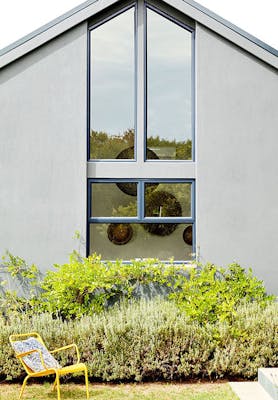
[(249, 391)]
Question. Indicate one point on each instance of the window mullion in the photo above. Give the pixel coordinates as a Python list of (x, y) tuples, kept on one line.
[(140, 79), (141, 202)]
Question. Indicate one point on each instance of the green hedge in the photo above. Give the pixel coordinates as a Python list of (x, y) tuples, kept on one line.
[(154, 340), (88, 285), (211, 322)]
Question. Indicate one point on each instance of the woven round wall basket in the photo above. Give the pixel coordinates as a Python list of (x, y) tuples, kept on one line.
[(131, 188), (170, 206), (119, 233), (187, 235)]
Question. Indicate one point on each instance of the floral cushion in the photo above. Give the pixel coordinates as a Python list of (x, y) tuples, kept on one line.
[(33, 361)]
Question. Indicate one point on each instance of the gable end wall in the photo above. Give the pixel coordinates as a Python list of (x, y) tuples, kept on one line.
[(43, 151), (237, 165)]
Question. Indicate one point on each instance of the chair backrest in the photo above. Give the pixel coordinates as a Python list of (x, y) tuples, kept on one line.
[(32, 362)]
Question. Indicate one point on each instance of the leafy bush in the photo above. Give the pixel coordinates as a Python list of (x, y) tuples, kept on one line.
[(88, 285), (219, 323), (213, 293), (22, 285), (84, 286), (154, 340)]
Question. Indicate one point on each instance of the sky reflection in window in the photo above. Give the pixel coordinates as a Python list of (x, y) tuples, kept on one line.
[(169, 101), (112, 88)]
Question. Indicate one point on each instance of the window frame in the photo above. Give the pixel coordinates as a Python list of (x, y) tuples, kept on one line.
[(141, 218), (173, 17), (140, 169), (140, 65), (99, 20)]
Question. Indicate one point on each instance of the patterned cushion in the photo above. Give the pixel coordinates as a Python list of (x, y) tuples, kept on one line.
[(33, 360)]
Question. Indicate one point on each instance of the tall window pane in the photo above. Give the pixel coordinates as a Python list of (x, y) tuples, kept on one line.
[(169, 76), (112, 88)]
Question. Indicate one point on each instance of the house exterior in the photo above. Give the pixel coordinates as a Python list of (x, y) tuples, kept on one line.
[(151, 128)]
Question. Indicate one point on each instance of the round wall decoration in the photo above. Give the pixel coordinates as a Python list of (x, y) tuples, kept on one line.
[(131, 188), (119, 233), (187, 235), (161, 204)]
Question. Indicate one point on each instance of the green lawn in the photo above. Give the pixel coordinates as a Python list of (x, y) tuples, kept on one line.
[(153, 391)]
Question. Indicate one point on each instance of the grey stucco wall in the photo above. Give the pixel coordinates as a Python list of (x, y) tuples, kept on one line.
[(43, 154), (43, 150), (237, 163)]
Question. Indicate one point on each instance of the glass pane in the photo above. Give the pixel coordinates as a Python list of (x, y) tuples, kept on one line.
[(112, 88), (169, 76), (114, 199), (128, 241), (168, 200)]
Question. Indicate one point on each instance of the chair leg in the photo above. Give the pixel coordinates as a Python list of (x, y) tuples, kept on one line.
[(58, 386), (23, 387), (87, 382), (54, 385)]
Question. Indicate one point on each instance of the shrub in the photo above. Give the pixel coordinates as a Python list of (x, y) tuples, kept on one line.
[(213, 293), (220, 323), (154, 340), (88, 285), (22, 285), (84, 286)]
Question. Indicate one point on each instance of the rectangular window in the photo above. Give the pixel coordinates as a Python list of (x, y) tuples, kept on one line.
[(168, 200), (114, 199), (141, 219), (128, 241)]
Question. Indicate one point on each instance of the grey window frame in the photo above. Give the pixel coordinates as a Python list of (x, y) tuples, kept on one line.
[(140, 169)]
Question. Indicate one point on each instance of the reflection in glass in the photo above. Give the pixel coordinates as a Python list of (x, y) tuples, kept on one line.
[(108, 200), (168, 200), (137, 242), (169, 75), (112, 87)]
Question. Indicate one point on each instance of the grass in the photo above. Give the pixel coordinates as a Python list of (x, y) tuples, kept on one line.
[(153, 391)]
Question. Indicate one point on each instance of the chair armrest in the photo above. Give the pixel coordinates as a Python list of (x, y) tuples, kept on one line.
[(26, 353), (68, 347)]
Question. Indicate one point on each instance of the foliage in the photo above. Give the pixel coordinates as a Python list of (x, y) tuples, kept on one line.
[(153, 340), (183, 148), (84, 286), (103, 145), (88, 285), (219, 323), (22, 284), (213, 293), (106, 146)]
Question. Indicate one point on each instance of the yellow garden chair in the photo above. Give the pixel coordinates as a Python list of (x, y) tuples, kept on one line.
[(38, 361)]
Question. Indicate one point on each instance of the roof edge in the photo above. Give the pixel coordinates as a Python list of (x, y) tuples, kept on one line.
[(233, 27), (46, 26), (59, 25)]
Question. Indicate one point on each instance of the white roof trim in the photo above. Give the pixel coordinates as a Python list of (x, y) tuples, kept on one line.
[(189, 7), (227, 30)]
